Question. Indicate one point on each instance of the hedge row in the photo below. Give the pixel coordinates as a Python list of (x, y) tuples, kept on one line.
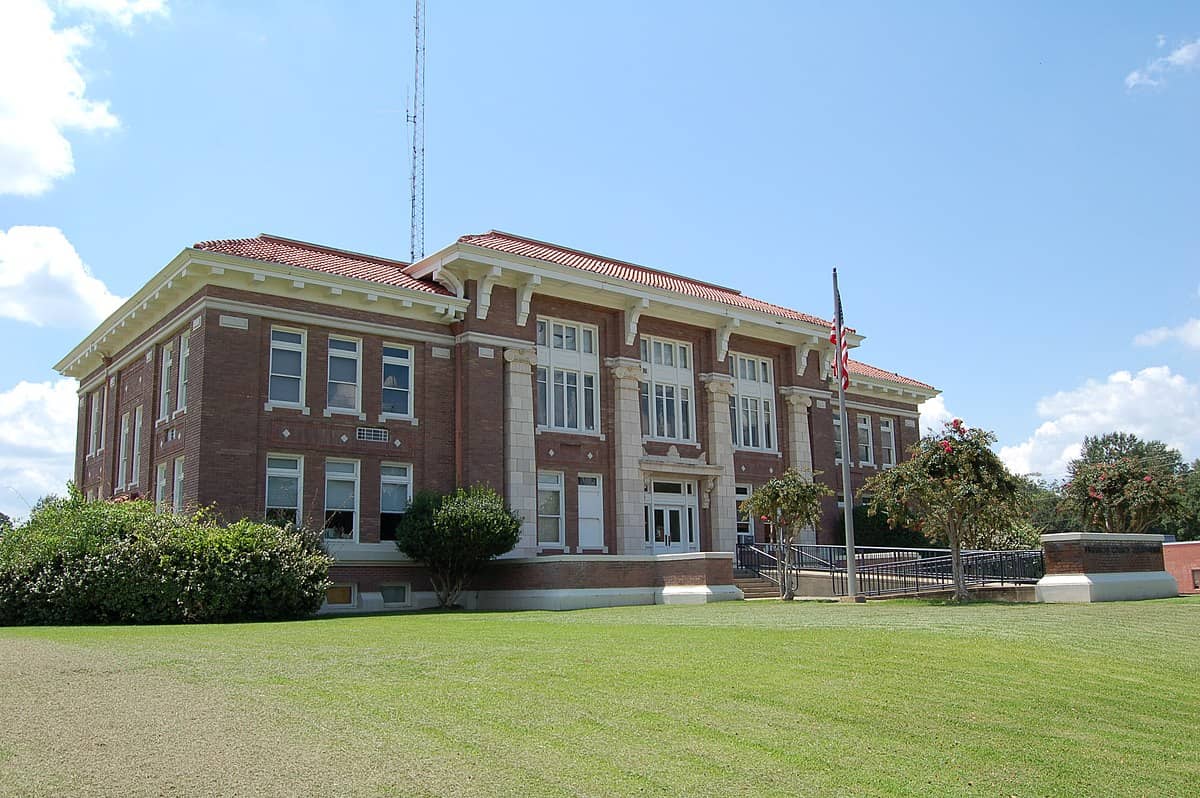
[(77, 562)]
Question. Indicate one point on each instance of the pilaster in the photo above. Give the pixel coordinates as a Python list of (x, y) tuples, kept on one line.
[(799, 442), (520, 454), (723, 503), (627, 439)]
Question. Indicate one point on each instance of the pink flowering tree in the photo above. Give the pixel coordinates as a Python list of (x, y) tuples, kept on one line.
[(789, 503), (954, 486), (1122, 484)]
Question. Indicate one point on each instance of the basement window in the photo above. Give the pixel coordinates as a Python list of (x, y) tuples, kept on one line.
[(342, 595), (395, 595)]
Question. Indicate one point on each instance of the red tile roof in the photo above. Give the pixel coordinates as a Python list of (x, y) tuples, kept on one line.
[(654, 278), (871, 372), (274, 249)]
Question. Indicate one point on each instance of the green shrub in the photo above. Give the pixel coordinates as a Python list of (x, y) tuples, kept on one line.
[(77, 562), (873, 530), (453, 536)]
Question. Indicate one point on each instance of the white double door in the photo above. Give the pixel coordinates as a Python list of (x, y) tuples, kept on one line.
[(672, 519)]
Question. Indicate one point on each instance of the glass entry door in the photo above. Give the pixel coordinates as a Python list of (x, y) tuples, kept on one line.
[(671, 515)]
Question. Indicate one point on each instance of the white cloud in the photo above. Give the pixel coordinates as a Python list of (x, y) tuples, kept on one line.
[(1153, 404), (43, 93), (1183, 58), (933, 415), (37, 442), (1187, 333), (43, 281), (120, 12)]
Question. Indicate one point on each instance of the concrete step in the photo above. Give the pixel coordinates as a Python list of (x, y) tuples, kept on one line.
[(754, 587)]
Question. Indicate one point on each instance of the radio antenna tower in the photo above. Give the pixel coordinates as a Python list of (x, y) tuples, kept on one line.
[(416, 118)]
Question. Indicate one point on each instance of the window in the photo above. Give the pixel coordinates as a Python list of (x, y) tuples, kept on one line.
[(341, 499), (164, 384), (342, 595), (123, 458), (96, 437), (394, 595), (181, 392), (160, 487), (395, 487), (666, 389), (343, 374), (752, 405), (745, 524), (866, 454), (286, 386), (568, 376), (837, 435), (550, 508), (285, 481), (135, 469), (397, 380), (887, 442), (590, 506), (1196, 578), (177, 487)]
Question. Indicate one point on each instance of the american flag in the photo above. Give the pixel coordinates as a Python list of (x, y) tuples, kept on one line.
[(841, 360)]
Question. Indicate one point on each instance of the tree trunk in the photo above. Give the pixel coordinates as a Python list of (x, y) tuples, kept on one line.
[(789, 591), (956, 567)]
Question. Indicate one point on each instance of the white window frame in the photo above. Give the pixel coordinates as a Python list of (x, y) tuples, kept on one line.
[(353, 595), (887, 441), (123, 453), (386, 360), (160, 487), (330, 354), (135, 464), (559, 488), (752, 404), (164, 383), (297, 473), (357, 497), (664, 375), (837, 435), (177, 486), (741, 493), (577, 362), (863, 422), (181, 373), (408, 594), (288, 346), (392, 479), (96, 419)]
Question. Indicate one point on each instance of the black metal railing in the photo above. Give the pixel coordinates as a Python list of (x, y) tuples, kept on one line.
[(890, 571)]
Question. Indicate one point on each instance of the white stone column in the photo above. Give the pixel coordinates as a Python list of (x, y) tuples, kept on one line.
[(722, 509), (629, 488), (799, 443), (520, 453)]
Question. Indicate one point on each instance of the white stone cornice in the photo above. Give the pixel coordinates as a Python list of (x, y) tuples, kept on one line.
[(521, 356), (633, 313), (487, 282), (723, 338), (525, 296), (796, 399)]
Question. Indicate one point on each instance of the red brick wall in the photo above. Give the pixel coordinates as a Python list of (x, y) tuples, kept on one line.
[(1182, 561)]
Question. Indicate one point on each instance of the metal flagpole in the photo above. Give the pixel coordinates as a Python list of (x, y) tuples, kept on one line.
[(847, 488)]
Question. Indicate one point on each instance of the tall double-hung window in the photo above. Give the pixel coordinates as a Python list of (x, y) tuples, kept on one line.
[(397, 380), (96, 433), (285, 484), (185, 349), (887, 442), (864, 448), (568, 376), (287, 367), (345, 374), (164, 383), (667, 388), (123, 459), (341, 499), (752, 405)]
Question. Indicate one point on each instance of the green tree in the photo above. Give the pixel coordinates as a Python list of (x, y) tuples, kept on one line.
[(1185, 524), (1120, 483), (875, 530), (952, 485), (454, 536), (790, 502)]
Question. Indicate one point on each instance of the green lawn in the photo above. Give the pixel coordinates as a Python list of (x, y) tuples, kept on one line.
[(758, 698)]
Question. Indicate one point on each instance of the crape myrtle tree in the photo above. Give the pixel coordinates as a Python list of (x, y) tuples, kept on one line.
[(1120, 483), (454, 535), (790, 502), (952, 485)]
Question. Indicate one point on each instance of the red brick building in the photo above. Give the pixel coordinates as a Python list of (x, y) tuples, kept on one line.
[(1182, 561), (621, 410)]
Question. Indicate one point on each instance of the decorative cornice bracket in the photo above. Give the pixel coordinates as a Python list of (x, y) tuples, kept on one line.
[(525, 296), (633, 314), (487, 282), (723, 338)]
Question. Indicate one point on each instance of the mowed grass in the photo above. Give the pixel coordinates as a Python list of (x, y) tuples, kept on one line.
[(761, 698)]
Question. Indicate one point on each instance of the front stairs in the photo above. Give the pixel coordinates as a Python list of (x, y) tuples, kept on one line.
[(754, 586)]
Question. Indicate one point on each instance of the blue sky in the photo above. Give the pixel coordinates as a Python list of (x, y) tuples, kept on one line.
[(1009, 192)]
